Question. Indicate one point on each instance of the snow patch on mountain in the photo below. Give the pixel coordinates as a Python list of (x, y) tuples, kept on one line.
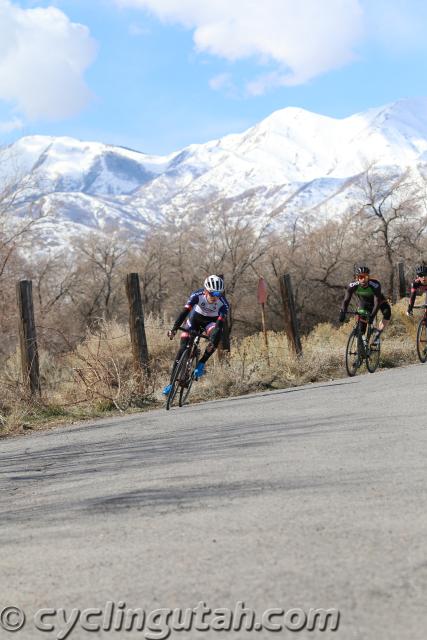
[(292, 161)]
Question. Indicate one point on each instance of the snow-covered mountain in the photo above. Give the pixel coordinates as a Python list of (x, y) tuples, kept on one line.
[(293, 161)]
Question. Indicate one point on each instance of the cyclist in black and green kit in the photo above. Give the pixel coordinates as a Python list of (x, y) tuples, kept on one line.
[(371, 298)]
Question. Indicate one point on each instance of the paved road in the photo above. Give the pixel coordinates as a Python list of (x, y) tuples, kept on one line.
[(313, 497)]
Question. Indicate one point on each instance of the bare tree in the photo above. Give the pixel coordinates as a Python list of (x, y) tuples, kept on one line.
[(393, 204), (20, 210), (19, 218), (96, 275)]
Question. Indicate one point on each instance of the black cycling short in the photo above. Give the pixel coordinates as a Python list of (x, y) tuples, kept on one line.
[(384, 307), (212, 329), (385, 310)]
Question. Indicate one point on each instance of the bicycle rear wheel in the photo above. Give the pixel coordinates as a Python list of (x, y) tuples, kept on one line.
[(422, 340), (373, 355), (175, 382), (353, 358), (185, 390)]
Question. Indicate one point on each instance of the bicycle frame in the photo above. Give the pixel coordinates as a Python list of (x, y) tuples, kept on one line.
[(195, 337), (421, 339), (365, 350), (362, 318), (182, 377), (192, 349)]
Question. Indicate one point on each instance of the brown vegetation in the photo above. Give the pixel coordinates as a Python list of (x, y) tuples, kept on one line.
[(82, 313)]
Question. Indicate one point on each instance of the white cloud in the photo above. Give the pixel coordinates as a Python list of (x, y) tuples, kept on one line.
[(220, 81), (301, 39), (262, 83), (11, 125), (224, 82), (43, 56)]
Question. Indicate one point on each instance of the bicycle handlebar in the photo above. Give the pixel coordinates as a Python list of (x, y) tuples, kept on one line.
[(420, 306), (358, 313), (194, 333), (363, 315)]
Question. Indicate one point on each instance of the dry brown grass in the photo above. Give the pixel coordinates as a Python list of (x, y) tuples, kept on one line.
[(98, 376), (246, 370)]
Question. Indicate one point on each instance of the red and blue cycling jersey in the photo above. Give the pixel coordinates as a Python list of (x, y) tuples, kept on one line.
[(200, 309), (417, 288)]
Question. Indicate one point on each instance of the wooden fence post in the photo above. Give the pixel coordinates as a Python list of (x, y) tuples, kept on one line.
[(262, 299), (136, 324), (27, 337), (402, 281), (291, 320), (224, 344)]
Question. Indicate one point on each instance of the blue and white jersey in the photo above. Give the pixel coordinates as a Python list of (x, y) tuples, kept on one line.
[(198, 303)]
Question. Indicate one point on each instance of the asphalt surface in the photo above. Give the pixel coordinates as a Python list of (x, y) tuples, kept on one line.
[(313, 497)]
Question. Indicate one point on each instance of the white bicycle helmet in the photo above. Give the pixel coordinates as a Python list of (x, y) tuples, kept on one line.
[(214, 284)]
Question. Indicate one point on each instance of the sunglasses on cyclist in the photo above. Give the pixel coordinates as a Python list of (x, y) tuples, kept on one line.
[(215, 294)]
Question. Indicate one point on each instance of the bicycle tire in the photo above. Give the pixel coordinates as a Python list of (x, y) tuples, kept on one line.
[(353, 363), (185, 391), (422, 340), (175, 380), (373, 356)]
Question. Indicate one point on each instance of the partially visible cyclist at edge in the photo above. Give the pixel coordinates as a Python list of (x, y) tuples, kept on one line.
[(371, 299), (418, 286), (206, 309)]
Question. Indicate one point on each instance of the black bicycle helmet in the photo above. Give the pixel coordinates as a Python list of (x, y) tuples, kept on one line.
[(362, 269), (421, 270)]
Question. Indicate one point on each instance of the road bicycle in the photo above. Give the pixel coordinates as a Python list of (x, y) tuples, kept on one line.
[(422, 334), (183, 375), (360, 345)]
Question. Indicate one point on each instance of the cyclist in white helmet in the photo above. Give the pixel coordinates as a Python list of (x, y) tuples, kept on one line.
[(206, 308)]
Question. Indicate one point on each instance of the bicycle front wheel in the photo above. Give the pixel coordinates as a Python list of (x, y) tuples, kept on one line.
[(185, 390), (175, 382), (373, 357), (422, 340), (353, 358)]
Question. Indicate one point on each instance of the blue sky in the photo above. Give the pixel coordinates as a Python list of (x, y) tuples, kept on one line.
[(156, 75)]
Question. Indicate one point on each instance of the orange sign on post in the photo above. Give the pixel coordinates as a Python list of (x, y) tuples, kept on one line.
[(262, 291)]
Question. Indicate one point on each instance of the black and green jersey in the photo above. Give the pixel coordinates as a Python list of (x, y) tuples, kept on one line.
[(370, 297)]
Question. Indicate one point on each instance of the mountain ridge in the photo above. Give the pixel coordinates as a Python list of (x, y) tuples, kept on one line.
[(293, 155)]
